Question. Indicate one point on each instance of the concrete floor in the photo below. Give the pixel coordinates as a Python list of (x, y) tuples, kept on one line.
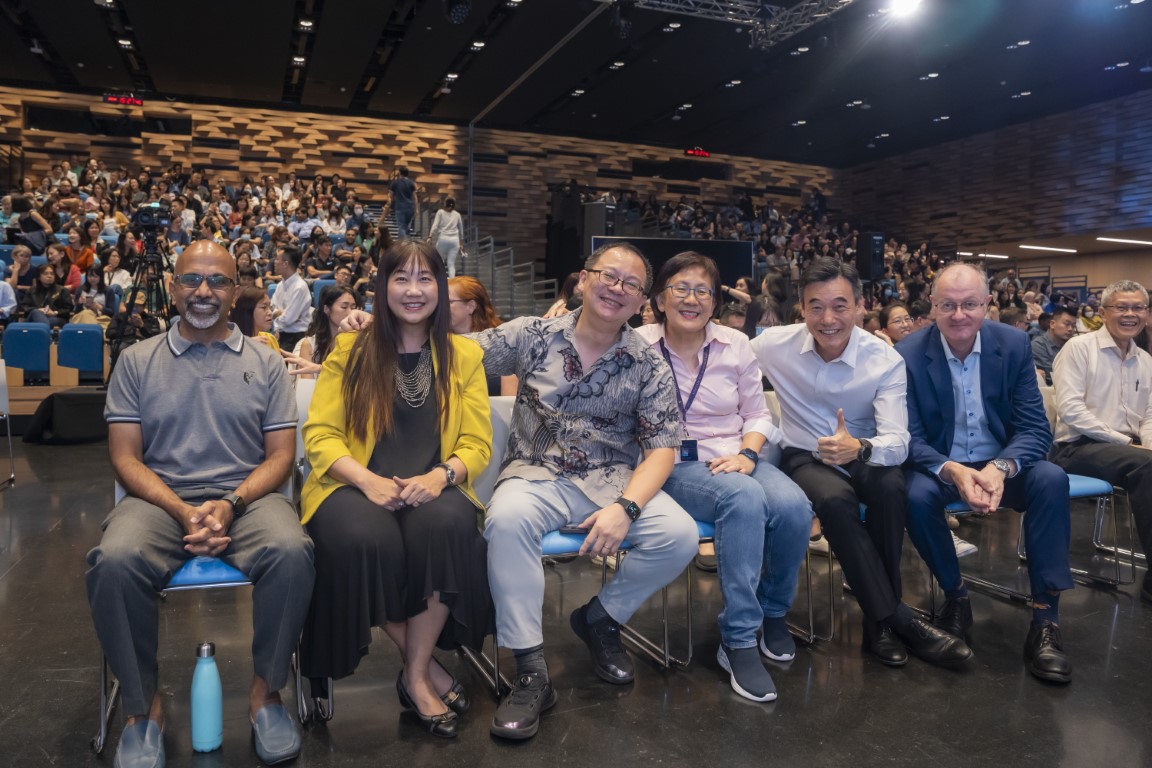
[(836, 707)]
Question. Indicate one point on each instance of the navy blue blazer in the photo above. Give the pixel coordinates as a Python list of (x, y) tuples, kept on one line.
[(1012, 399)]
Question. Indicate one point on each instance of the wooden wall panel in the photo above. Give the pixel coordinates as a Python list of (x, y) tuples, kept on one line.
[(517, 170)]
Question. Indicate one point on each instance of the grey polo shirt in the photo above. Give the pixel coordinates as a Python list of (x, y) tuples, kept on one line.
[(202, 410)]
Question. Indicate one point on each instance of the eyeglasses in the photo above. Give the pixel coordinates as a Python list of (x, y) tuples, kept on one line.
[(192, 281), (1123, 309), (950, 307), (902, 321), (682, 291), (631, 287)]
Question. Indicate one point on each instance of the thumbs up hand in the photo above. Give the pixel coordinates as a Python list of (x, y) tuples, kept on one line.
[(840, 448)]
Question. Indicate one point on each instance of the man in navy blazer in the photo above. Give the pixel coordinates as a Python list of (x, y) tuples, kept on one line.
[(979, 433)]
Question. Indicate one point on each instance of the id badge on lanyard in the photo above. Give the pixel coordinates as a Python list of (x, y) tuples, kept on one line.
[(688, 446)]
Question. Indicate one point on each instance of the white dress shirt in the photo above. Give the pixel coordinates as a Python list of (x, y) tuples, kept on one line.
[(1100, 396), (868, 381), (294, 297)]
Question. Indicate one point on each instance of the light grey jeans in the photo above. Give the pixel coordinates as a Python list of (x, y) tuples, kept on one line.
[(664, 540)]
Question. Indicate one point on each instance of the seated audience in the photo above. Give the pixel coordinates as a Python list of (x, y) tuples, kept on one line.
[(577, 372), (1061, 328), (252, 314), (472, 311), (215, 496), (292, 301), (335, 305), (47, 302), (1103, 414), (67, 273), (985, 449), (844, 421), (895, 322), (21, 275), (762, 518), (398, 428)]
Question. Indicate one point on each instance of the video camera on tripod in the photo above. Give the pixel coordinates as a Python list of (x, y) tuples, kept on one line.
[(147, 223)]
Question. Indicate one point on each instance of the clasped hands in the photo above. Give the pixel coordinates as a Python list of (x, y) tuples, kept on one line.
[(207, 528), (980, 489), (397, 492)]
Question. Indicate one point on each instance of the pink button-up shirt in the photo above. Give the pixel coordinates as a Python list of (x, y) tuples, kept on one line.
[(730, 403)]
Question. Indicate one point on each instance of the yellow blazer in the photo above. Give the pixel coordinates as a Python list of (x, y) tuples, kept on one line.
[(467, 435)]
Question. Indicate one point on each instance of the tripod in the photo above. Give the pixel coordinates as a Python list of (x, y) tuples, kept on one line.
[(148, 288)]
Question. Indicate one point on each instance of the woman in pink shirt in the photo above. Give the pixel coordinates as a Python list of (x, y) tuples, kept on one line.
[(762, 518)]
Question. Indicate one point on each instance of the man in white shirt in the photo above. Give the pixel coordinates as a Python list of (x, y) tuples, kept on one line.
[(292, 302), (845, 423), (1103, 408)]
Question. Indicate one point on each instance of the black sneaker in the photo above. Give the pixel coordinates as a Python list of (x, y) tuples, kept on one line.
[(518, 716), (609, 658)]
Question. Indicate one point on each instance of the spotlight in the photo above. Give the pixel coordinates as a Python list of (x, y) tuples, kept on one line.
[(904, 7), (457, 11)]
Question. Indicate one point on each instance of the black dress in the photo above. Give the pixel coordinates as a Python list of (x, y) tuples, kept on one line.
[(374, 566)]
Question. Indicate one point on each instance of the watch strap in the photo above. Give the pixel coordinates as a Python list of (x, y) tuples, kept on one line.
[(631, 508), (750, 454)]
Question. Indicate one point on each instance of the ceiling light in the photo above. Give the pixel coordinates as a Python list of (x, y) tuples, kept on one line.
[(933, 74), (943, 117), (674, 24), (298, 60), (903, 7), (884, 135), (457, 11), (735, 82), (803, 49), (992, 256), (578, 92), (617, 64), (125, 43), (799, 123), (306, 25), (106, 3), (478, 45), (1121, 64), (1011, 46), (451, 76), (1023, 42), (963, 253), (1110, 68), (1047, 248), (1121, 240)]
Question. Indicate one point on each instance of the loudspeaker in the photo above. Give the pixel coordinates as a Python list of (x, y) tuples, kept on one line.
[(870, 256)]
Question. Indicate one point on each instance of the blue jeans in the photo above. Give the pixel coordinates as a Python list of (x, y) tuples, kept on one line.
[(762, 525), (404, 216)]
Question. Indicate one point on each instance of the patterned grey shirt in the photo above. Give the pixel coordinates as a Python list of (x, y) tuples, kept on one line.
[(587, 427)]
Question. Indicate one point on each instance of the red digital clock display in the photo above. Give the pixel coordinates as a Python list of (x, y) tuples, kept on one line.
[(123, 101), (697, 152)]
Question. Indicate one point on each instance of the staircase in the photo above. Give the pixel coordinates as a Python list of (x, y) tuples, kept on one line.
[(513, 287)]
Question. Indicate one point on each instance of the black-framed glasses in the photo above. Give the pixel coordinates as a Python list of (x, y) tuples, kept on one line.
[(682, 291), (192, 280), (631, 287), (1123, 309)]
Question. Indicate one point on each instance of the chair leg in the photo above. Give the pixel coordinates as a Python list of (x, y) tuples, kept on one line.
[(11, 479), (488, 667), (662, 654), (108, 699)]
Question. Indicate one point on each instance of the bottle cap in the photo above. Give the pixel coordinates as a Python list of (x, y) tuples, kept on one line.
[(205, 650)]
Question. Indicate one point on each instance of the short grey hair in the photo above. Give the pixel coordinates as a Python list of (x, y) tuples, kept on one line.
[(1123, 286), (961, 265)]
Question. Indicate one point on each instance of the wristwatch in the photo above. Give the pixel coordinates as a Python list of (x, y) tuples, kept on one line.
[(1003, 465), (451, 473), (631, 508), (239, 506), (751, 455), (865, 451)]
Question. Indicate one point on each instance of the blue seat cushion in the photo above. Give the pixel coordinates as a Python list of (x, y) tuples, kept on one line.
[(706, 530), (206, 572), (1081, 486), (556, 544)]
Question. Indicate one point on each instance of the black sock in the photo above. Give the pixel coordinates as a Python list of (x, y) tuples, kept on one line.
[(957, 593), (903, 616), (595, 611), (531, 660)]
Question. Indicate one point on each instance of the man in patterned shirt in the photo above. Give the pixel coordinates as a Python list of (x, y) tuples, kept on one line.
[(593, 398)]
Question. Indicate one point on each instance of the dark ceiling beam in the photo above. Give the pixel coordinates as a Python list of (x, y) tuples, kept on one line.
[(37, 41)]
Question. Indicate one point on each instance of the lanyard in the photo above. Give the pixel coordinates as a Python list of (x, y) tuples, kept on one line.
[(695, 387)]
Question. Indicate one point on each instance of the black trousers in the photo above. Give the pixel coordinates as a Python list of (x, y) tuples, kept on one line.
[(869, 553), (1128, 466)]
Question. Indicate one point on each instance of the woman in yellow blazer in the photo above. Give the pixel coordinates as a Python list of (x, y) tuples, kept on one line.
[(398, 428)]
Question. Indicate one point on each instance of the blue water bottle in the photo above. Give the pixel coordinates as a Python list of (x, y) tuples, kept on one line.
[(207, 701)]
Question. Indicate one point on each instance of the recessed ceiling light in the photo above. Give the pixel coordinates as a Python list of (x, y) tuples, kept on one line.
[(451, 76), (1011, 46), (963, 253), (674, 24), (1121, 64), (306, 25), (1122, 240), (943, 117), (298, 60), (794, 53), (1110, 68), (578, 92), (800, 122), (735, 82), (617, 63), (803, 49), (884, 135), (933, 74), (1047, 248), (124, 42), (1023, 42), (993, 256), (478, 45), (857, 103)]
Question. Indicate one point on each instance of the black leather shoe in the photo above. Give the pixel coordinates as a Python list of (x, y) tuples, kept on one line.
[(610, 660), (518, 716), (881, 642), (1044, 653), (955, 617), (455, 699), (926, 642), (443, 724)]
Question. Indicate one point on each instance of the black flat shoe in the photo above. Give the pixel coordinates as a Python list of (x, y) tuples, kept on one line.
[(443, 724), (455, 699)]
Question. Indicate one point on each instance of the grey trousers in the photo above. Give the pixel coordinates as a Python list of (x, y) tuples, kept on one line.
[(664, 540), (142, 547)]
